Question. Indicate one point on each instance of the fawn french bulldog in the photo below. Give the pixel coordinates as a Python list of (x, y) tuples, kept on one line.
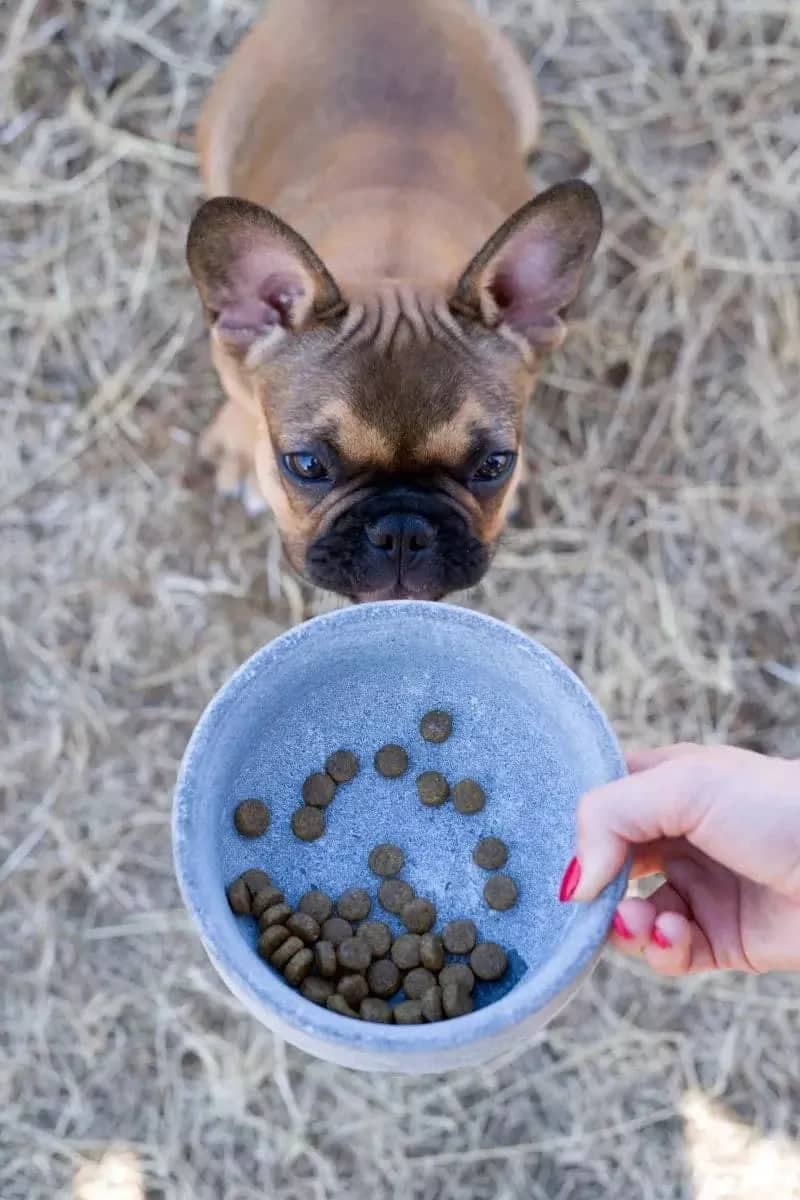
[(380, 287)]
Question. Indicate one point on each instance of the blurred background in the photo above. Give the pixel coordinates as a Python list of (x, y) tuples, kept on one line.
[(655, 549)]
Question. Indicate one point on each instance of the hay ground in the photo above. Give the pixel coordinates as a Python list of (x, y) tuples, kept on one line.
[(656, 550)]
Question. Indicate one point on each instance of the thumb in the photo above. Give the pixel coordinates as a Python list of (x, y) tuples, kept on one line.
[(645, 807)]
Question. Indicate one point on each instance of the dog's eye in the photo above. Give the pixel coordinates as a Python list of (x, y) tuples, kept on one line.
[(306, 467), (495, 466)]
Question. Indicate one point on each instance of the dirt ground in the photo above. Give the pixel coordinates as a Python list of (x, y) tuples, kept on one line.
[(656, 551)]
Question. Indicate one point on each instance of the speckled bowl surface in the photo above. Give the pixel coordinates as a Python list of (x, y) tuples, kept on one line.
[(523, 725)]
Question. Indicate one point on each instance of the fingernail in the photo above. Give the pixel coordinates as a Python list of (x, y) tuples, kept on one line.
[(658, 939), (569, 884), (621, 929)]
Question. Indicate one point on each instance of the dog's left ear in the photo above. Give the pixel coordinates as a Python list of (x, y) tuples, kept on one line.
[(256, 275), (531, 269)]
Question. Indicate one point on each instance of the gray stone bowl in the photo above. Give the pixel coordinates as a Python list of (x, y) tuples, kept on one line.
[(524, 726)]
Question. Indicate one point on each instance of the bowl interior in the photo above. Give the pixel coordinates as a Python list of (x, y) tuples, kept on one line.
[(524, 727)]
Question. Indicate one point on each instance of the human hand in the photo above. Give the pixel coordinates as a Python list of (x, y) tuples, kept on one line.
[(723, 826)]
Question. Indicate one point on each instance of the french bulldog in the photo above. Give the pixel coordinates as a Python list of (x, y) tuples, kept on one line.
[(380, 287)]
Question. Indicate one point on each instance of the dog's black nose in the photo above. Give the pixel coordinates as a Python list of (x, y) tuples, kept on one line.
[(401, 536)]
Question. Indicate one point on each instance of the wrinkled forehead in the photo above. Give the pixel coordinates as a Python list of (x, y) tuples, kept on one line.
[(410, 409)]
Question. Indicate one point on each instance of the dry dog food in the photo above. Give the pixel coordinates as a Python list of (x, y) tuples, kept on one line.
[(405, 951), (239, 897), (251, 818), (308, 823), (459, 937), (354, 904), (456, 1000), (373, 1009), (394, 894), (378, 937), (431, 1004), (354, 989), (386, 860), (271, 939), (336, 929), (418, 916), (299, 967), (500, 892), (432, 788), (342, 766), (285, 952), (490, 854), (417, 983), (317, 905), (409, 1012), (304, 926), (318, 790), (468, 796), (431, 951), (267, 898), (338, 1004), (391, 761), (325, 959), (436, 726), (383, 978), (489, 961), (278, 914), (458, 974), (256, 880), (316, 990), (354, 954)]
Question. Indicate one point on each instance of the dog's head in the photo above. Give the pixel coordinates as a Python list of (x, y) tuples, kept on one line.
[(389, 422)]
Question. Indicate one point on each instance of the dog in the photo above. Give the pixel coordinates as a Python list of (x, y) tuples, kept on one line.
[(379, 285)]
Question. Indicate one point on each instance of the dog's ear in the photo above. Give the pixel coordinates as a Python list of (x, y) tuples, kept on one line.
[(255, 275), (531, 268)]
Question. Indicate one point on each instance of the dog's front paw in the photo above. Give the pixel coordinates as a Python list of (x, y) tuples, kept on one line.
[(227, 446)]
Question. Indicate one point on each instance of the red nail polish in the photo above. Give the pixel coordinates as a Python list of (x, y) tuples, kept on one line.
[(569, 884), (657, 937), (621, 929)]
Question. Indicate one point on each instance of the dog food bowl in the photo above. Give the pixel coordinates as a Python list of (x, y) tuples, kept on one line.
[(523, 725)]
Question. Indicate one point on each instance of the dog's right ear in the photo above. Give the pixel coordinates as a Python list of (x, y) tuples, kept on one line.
[(255, 275)]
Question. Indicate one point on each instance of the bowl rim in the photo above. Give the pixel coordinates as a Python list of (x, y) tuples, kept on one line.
[(580, 946)]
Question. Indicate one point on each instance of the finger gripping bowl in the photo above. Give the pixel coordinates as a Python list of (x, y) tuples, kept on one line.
[(523, 726)]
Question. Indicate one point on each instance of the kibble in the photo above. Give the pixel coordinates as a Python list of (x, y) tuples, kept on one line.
[(318, 790), (394, 894), (373, 1009), (459, 937), (354, 954), (500, 892), (354, 904), (251, 818), (431, 1004), (431, 951), (266, 898), (317, 905), (342, 766), (256, 880), (490, 854), (383, 978), (418, 916), (378, 937), (436, 726), (285, 952), (408, 1013), (271, 939), (338, 1004), (456, 1000), (278, 914), (457, 974), (391, 761), (336, 929), (432, 788), (239, 898), (405, 951), (304, 927), (316, 990), (417, 983), (386, 860), (325, 959), (308, 823), (468, 796), (489, 961), (353, 988), (299, 966)]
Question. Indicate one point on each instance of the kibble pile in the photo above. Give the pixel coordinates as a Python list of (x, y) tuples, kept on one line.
[(355, 966)]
